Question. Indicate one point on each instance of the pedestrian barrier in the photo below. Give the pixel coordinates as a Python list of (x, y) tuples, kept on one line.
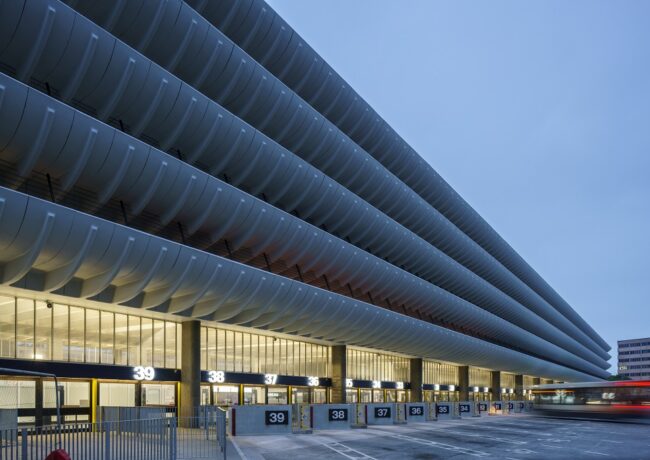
[(334, 416), (483, 407), (416, 412), (258, 420), (520, 406), (147, 439), (119, 413), (8, 419)]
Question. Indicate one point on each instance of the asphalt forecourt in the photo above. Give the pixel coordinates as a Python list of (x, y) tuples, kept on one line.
[(517, 437)]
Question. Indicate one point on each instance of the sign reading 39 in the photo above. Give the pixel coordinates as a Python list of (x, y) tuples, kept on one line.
[(144, 373)]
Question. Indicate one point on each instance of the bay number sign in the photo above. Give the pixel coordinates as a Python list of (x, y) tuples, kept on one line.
[(338, 415), (277, 417), (382, 412)]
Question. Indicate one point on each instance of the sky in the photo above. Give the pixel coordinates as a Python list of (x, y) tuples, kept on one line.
[(537, 113)]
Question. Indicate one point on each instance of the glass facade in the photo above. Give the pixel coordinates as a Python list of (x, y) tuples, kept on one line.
[(529, 381), (439, 373), (30, 329), (235, 351), (480, 377), (507, 380), (367, 365)]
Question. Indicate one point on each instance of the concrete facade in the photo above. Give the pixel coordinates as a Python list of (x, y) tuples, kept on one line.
[(177, 164)]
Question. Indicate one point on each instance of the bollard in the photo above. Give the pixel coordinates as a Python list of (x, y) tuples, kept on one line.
[(360, 419), (431, 412), (400, 414)]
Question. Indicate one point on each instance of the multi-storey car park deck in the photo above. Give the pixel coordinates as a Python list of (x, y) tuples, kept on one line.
[(195, 207)]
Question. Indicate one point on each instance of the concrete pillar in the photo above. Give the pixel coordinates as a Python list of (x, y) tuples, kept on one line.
[(519, 386), (463, 383), (495, 383), (416, 379), (190, 368), (339, 374)]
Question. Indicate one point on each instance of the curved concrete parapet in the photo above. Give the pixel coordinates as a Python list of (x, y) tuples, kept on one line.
[(262, 33), (43, 244)]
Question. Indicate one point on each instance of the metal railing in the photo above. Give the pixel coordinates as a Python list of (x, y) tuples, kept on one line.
[(127, 440), (165, 438)]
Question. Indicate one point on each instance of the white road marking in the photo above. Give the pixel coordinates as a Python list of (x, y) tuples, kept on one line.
[(552, 447), (241, 454), (440, 445), (474, 435), (595, 453), (346, 451), (607, 440)]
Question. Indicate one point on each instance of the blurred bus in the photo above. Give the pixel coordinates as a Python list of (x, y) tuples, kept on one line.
[(620, 400)]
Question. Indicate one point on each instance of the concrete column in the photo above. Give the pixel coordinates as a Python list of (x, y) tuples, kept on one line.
[(190, 368), (416, 379), (519, 386), (339, 374), (463, 383), (495, 383)]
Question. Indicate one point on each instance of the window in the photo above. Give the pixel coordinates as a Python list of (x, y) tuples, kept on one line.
[(43, 334), (25, 329), (92, 336), (170, 345), (106, 355), (76, 334), (7, 327), (235, 351), (60, 323), (33, 330), (367, 365), (134, 340), (158, 343), (146, 331), (121, 339)]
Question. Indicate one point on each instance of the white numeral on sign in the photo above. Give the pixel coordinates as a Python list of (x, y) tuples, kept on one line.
[(144, 373), (313, 381), (216, 377), (276, 417), (270, 379), (376, 384), (399, 385), (338, 414), (348, 383)]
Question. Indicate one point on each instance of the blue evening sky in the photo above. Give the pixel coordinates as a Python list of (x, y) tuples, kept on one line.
[(537, 112)]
